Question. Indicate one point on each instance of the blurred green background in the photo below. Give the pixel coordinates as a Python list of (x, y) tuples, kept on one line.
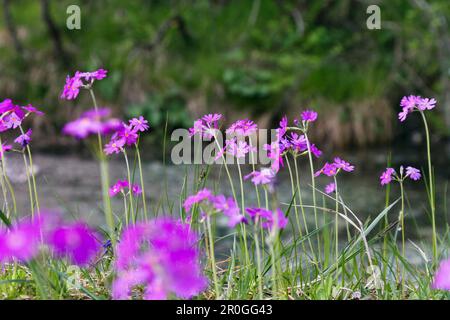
[(176, 60)]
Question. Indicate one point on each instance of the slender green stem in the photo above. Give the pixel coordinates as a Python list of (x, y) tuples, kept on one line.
[(258, 260), (104, 174), (431, 189), (212, 257), (30, 189), (144, 205), (402, 225), (125, 206), (244, 232), (130, 185)]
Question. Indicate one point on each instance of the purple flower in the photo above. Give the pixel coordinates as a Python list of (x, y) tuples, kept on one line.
[(309, 116), (126, 132), (412, 103), (330, 188), (206, 126), (386, 176), (73, 84), (341, 164), (298, 142), (413, 173), (238, 149), (315, 151), (24, 139), (161, 256), (264, 176), (329, 169), (136, 189), (203, 194), (72, 87), (242, 128), (4, 148), (442, 276), (114, 146), (12, 120), (121, 185), (139, 124), (76, 242), (30, 109), (269, 219), (229, 208), (21, 241), (92, 122)]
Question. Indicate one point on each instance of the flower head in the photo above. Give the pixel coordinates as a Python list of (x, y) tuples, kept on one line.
[(92, 122), (24, 139), (309, 116), (330, 188), (4, 148), (242, 128), (341, 164), (73, 84), (412, 103), (269, 219), (386, 176), (160, 255), (76, 242), (442, 276), (264, 176), (139, 124), (204, 194), (413, 173)]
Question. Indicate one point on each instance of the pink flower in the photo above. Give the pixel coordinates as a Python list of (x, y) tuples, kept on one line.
[(341, 164), (73, 84), (114, 146), (239, 149), (92, 122), (139, 124), (4, 148), (76, 242), (200, 196), (412, 103), (315, 151), (330, 188), (264, 176), (21, 241), (229, 208), (413, 173), (329, 169), (242, 128), (442, 276), (269, 219), (162, 256), (309, 116), (386, 176), (24, 139)]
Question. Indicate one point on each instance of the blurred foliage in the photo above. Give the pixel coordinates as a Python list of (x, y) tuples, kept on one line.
[(258, 57)]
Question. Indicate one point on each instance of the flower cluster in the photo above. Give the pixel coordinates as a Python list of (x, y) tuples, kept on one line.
[(218, 203), (92, 122), (332, 169), (413, 103), (206, 126), (12, 116), (126, 135), (120, 187), (160, 255), (76, 242), (390, 174), (442, 276), (81, 80), (269, 219)]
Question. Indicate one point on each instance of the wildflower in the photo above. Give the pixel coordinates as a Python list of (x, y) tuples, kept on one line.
[(114, 146), (243, 128), (298, 142), (121, 185), (92, 122), (21, 241), (206, 126), (73, 84), (309, 116), (412, 103), (386, 176), (161, 256), (72, 87), (315, 151), (329, 169), (127, 133), (330, 188), (139, 124), (239, 149), (269, 218), (442, 276), (76, 242), (229, 208), (413, 173), (264, 176), (12, 120), (200, 196), (30, 109), (24, 139), (4, 148), (341, 164)]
